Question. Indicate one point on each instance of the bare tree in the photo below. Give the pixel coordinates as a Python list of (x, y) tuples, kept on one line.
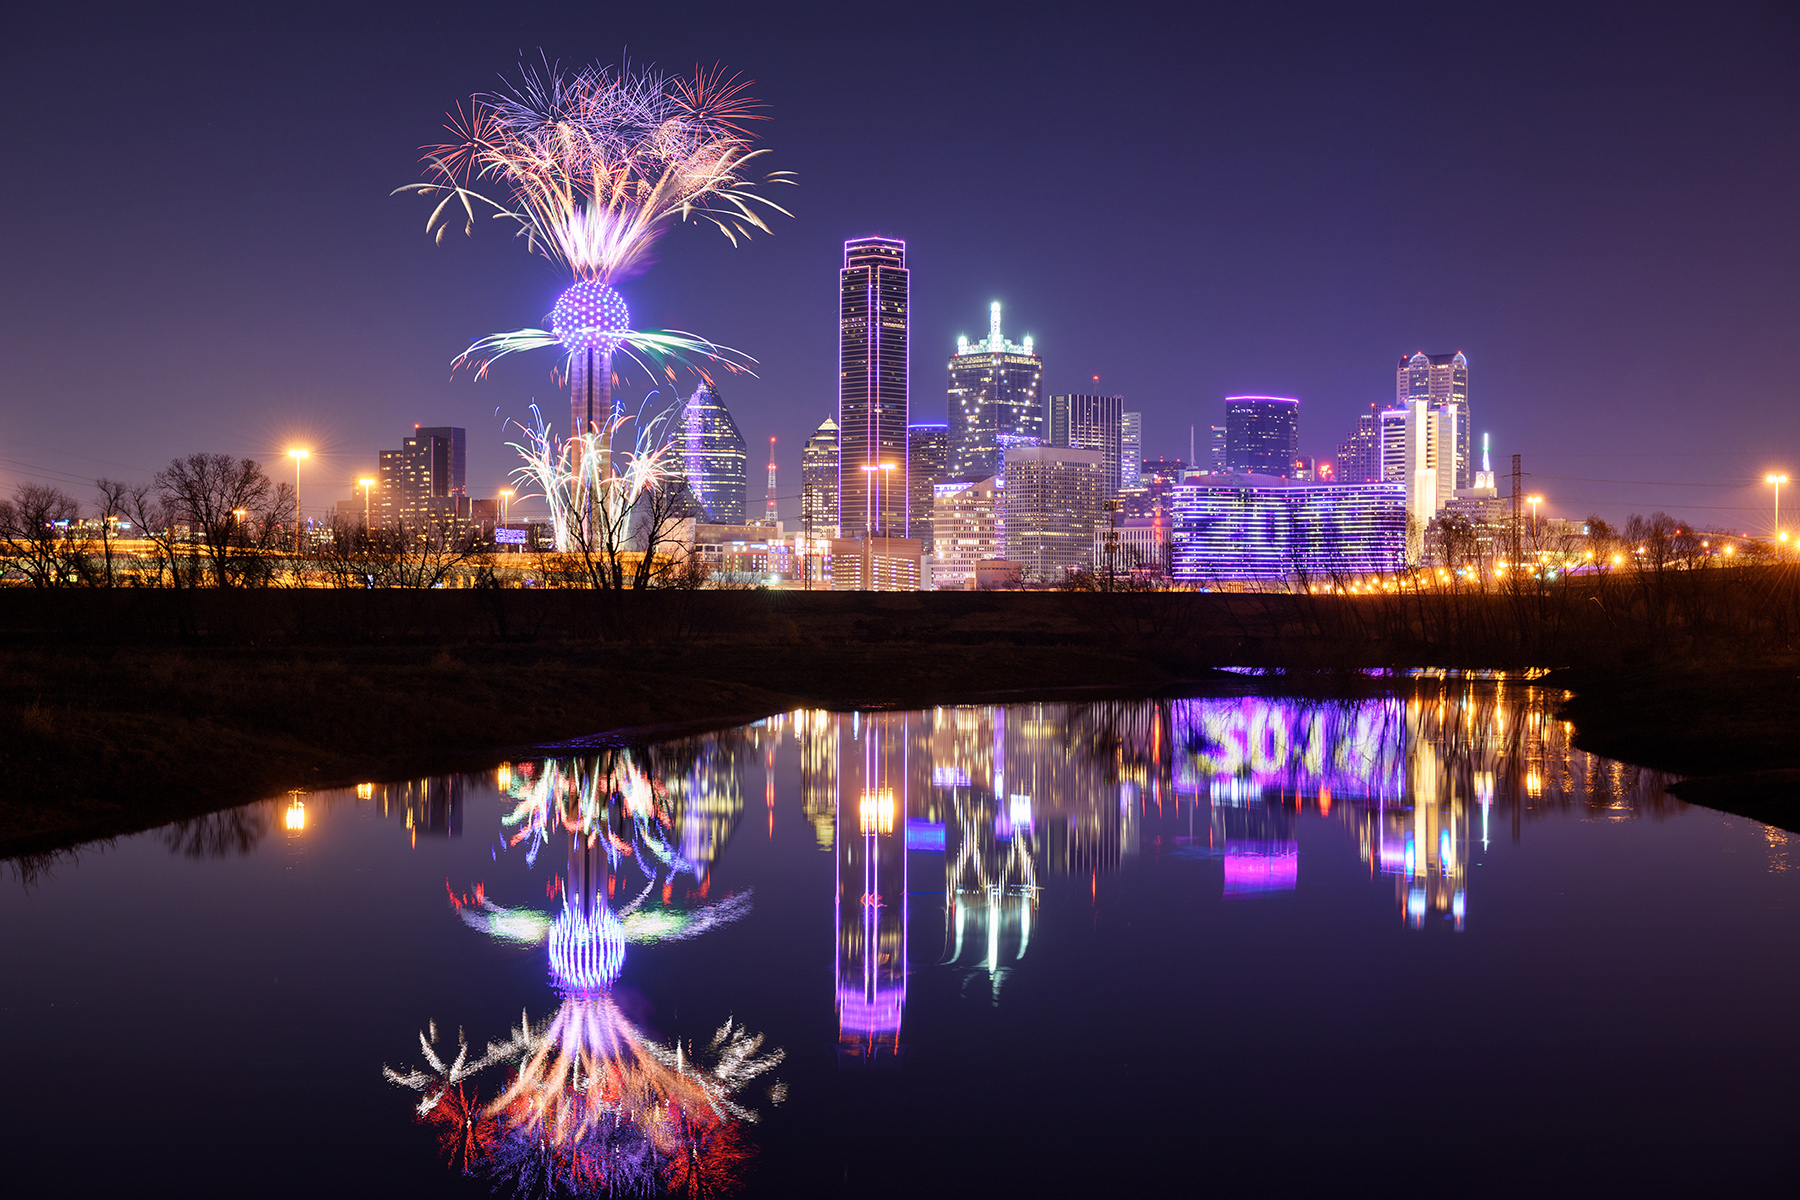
[(39, 538), (113, 498), (406, 554), (231, 509)]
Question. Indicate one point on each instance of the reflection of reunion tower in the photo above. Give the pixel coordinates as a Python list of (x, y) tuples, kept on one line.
[(872, 883)]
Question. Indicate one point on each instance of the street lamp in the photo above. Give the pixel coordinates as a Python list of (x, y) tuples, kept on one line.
[(876, 483), (1777, 479), (365, 484), (297, 455), (506, 495), (1534, 501)]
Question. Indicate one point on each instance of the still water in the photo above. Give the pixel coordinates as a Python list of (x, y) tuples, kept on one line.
[(1406, 940)]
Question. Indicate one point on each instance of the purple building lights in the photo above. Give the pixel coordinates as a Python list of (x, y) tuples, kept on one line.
[(873, 303)]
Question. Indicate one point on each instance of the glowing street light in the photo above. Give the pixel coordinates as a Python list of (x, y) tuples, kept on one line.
[(297, 455), (506, 495), (365, 483), (879, 482), (1534, 501), (1777, 478)]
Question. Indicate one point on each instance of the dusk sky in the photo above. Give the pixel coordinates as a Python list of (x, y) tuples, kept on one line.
[(1597, 204)]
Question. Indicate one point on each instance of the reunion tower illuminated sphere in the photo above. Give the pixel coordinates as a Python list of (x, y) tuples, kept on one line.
[(590, 316)]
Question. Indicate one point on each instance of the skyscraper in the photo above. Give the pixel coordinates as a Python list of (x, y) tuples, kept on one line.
[(994, 395), (873, 297), (713, 457), (1131, 449), (969, 524), (1439, 380), (424, 479), (927, 464), (1090, 423), (819, 482), (1359, 455), (1054, 498), (1417, 448), (1262, 434), (1216, 459)]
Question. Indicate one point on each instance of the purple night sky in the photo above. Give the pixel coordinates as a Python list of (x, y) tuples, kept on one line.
[(1595, 203)]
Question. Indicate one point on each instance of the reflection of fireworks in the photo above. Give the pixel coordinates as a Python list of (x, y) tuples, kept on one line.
[(594, 1103)]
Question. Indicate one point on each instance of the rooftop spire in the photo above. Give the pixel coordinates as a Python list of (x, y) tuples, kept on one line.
[(994, 325)]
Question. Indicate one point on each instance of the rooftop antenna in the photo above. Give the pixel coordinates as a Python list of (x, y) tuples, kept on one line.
[(769, 515)]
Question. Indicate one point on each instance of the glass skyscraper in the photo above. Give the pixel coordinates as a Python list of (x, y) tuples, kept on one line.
[(1090, 423), (819, 481), (713, 457), (994, 400), (423, 480), (927, 464), (1262, 434), (1054, 499), (1131, 449), (873, 297), (1439, 380)]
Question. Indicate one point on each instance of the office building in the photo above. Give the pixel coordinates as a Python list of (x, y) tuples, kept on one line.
[(994, 396), (1054, 499), (1262, 434), (1089, 423), (819, 482), (424, 480), (1439, 380), (873, 298), (1136, 546), (1262, 527), (712, 455), (969, 520), (1131, 449), (927, 463), (1417, 445), (1216, 460), (1359, 455), (875, 564)]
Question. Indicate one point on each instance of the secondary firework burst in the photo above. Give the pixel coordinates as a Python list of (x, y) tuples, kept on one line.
[(591, 167)]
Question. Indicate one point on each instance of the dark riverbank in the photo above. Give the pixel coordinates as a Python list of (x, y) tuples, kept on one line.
[(126, 710)]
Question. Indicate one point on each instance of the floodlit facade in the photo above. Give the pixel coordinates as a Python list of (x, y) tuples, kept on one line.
[(1131, 449), (819, 481), (1439, 381), (969, 517), (1136, 545), (1055, 496), (714, 462), (1089, 423), (927, 463), (875, 565), (1261, 527), (995, 395), (1262, 434), (874, 292), (1417, 448)]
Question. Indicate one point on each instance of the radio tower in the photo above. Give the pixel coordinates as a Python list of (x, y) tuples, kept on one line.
[(769, 515)]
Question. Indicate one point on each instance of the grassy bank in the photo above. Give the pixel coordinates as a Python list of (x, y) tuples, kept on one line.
[(123, 710)]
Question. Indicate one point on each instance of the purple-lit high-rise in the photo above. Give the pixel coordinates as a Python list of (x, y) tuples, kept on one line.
[(873, 297)]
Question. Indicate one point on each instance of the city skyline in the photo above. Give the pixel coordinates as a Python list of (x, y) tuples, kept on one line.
[(1618, 235)]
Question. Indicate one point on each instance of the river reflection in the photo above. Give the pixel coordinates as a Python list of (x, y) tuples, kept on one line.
[(980, 950)]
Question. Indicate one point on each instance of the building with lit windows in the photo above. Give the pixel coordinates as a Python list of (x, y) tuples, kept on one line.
[(927, 463), (1262, 434), (1262, 527), (995, 394), (875, 564), (1359, 455), (819, 482), (969, 518), (1055, 496), (1439, 381), (1417, 444), (424, 481), (1131, 449), (714, 463), (873, 299), (1138, 545), (1089, 423)]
